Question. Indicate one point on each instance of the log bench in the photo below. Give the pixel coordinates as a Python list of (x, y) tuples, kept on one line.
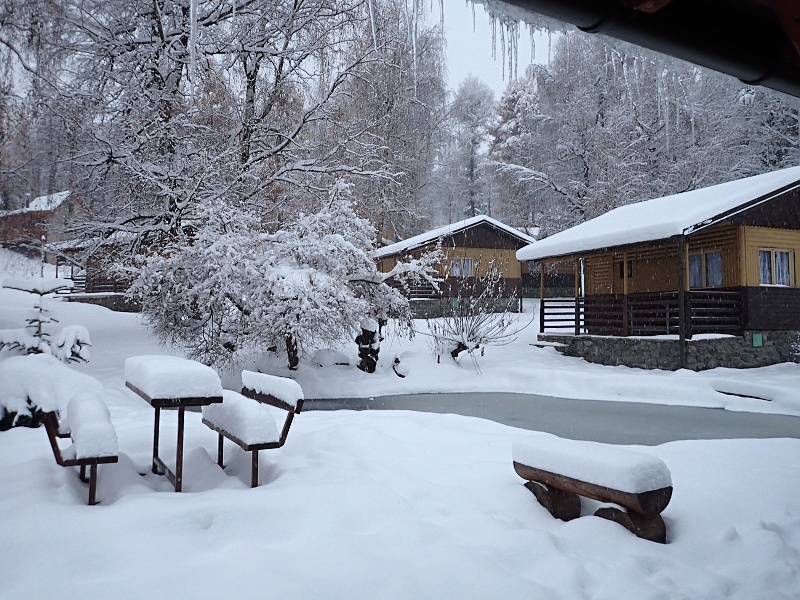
[(560, 471), (243, 418), (94, 439)]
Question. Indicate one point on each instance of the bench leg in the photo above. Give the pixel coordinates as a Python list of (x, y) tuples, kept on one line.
[(92, 484), (221, 451), (83, 474), (562, 505), (647, 527), (254, 469), (179, 452), (156, 429)]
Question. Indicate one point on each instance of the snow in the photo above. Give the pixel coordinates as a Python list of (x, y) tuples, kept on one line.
[(161, 376), (391, 504), (434, 234), (90, 427), (247, 419), (48, 382), (49, 202), (660, 218), (282, 388), (600, 464), (38, 285)]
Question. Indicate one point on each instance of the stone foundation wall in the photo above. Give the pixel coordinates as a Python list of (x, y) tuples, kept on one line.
[(701, 354)]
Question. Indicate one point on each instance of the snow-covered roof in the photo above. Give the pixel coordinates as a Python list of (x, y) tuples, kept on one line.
[(434, 234), (50, 202), (661, 218)]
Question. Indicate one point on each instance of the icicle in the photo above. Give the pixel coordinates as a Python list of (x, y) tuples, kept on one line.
[(532, 32), (192, 44), (503, 50), (414, 44), (372, 24)]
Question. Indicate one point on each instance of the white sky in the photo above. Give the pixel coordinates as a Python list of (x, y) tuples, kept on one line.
[(469, 46)]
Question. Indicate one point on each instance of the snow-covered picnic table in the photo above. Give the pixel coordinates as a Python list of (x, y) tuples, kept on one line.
[(172, 382)]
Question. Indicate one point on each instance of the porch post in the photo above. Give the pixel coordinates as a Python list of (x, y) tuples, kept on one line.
[(542, 265), (577, 296), (626, 323), (682, 298)]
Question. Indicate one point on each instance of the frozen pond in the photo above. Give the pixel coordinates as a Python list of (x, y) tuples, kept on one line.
[(602, 421)]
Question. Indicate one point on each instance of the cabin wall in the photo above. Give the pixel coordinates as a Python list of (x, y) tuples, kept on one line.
[(763, 238)]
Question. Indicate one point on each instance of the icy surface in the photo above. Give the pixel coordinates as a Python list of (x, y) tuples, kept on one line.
[(161, 376), (247, 419), (660, 218), (601, 464), (282, 388), (90, 426)]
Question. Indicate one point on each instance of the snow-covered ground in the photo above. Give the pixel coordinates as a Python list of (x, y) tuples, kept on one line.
[(393, 504)]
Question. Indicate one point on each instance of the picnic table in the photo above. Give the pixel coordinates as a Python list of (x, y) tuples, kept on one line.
[(171, 382)]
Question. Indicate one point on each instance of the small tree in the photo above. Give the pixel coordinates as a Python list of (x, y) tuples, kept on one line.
[(72, 342)]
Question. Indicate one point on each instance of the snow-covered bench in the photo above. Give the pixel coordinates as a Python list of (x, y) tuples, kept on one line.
[(243, 419), (559, 471), (94, 440)]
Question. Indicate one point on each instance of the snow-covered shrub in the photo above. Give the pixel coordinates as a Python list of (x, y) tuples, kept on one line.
[(480, 315), (37, 383), (72, 344), (236, 292)]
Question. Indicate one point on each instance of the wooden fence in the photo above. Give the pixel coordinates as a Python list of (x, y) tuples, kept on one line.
[(708, 311)]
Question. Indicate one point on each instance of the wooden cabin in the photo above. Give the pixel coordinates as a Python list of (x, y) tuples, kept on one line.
[(469, 247), (718, 260), (45, 218)]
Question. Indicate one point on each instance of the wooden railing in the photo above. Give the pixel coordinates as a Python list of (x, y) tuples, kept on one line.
[(707, 311)]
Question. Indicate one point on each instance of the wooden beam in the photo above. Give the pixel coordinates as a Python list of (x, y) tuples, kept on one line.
[(681, 247), (542, 266)]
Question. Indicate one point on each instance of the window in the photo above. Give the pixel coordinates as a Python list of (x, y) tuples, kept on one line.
[(461, 267), (774, 267), (695, 270), (713, 269), (705, 269)]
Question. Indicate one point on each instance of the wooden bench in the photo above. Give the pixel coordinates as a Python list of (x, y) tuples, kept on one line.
[(244, 420), (94, 440), (560, 471)]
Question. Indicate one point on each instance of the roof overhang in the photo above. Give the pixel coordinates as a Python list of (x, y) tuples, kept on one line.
[(757, 41)]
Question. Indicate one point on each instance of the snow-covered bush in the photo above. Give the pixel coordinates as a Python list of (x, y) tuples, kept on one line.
[(479, 316), (236, 292)]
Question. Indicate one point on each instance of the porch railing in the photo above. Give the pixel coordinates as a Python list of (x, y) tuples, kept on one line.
[(707, 311)]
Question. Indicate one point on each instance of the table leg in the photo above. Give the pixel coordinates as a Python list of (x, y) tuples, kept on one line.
[(156, 428), (179, 453)]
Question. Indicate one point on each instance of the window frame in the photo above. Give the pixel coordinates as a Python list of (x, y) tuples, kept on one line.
[(704, 271), (773, 265), (461, 266)]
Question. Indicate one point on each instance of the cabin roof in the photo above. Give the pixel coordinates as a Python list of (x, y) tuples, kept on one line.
[(663, 218), (41, 203), (447, 230)]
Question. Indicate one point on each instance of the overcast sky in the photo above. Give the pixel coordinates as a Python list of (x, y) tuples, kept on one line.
[(469, 47)]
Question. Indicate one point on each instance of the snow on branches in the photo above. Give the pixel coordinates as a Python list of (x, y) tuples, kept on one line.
[(236, 292)]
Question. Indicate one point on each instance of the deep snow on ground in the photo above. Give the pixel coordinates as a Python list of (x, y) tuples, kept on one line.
[(391, 504)]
